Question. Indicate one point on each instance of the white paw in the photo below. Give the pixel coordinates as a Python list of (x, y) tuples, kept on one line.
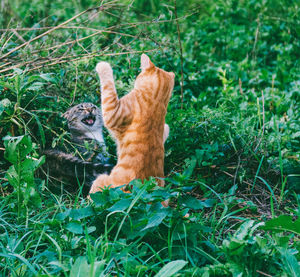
[(166, 132), (104, 68), (94, 188)]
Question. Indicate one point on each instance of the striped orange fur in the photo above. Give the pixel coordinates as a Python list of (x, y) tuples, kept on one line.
[(137, 122)]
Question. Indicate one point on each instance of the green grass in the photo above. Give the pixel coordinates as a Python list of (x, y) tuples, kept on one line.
[(232, 157)]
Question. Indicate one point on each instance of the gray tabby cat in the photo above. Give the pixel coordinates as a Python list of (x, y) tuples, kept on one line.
[(85, 124)]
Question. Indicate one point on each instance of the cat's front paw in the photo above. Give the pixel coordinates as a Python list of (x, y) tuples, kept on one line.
[(104, 70), (95, 188)]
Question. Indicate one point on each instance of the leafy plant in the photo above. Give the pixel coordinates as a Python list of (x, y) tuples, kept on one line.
[(20, 175)]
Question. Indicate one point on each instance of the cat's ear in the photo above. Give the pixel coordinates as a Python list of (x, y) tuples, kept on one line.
[(145, 62)]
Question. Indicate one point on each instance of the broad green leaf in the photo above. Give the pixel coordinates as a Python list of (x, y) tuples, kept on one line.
[(30, 164), (12, 176), (80, 268), (31, 79), (99, 268), (62, 216), (208, 203), (91, 229), (160, 193), (100, 198), (244, 230), (59, 265), (77, 214), (199, 155), (234, 246), (45, 76), (283, 223), (11, 144), (36, 86), (189, 171), (17, 148), (236, 269), (191, 202), (49, 77), (156, 219), (291, 264), (75, 228), (171, 268), (121, 205), (31, 196)]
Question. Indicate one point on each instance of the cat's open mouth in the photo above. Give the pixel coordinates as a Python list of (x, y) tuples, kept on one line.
[(89, 120)]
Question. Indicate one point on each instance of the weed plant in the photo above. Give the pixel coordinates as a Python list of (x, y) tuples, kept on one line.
[(232, 157)]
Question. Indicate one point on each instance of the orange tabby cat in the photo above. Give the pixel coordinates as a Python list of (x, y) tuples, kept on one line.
[(137, 121)]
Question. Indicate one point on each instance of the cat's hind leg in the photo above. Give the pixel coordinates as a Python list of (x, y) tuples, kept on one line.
[(117, 178), (101, 182)]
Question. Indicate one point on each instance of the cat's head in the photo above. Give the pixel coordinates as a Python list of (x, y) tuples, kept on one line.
[(154, 77), (84, 118)]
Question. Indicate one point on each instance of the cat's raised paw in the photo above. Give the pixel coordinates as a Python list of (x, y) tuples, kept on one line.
[(104, 68)]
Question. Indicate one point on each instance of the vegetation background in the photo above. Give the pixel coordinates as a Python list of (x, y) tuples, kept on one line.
[(232, 157)]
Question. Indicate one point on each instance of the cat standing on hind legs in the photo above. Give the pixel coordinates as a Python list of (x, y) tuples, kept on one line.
[(137, 122)]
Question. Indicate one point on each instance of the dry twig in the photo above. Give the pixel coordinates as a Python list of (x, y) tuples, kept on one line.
[(49, 31)]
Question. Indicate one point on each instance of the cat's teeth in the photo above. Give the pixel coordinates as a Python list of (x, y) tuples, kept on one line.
[(90, 121)]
